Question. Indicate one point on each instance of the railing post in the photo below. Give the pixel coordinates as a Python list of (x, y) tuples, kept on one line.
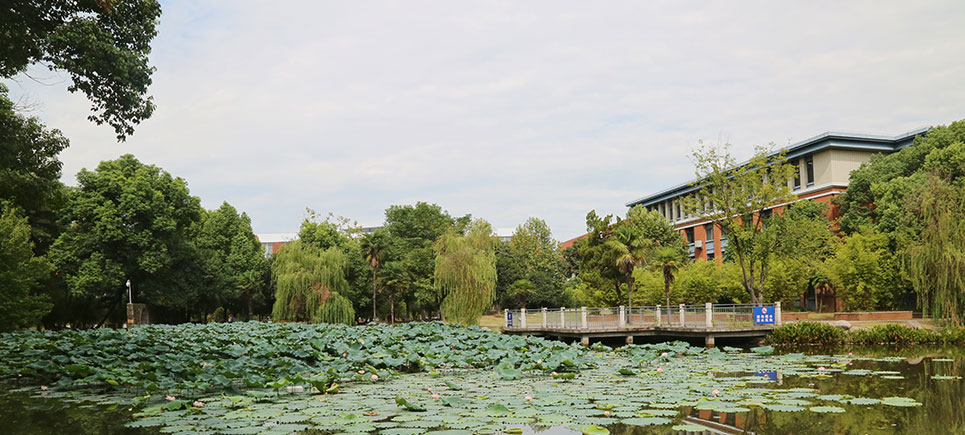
[(506, 318), (562, 317), (777, 313), (709, 315), (522, 318), (658, 315), (583, 323), (623, 317), (544, 317), (682, 318)]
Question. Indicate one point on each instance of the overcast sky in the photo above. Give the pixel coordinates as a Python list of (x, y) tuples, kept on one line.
[(506, 110)]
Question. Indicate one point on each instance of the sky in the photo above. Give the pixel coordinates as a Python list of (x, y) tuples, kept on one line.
[(505, 110)]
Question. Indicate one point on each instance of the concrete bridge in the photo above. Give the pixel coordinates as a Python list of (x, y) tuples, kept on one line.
[(707, 321)]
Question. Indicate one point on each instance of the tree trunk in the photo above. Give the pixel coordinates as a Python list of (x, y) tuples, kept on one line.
[(666, 288), (616, 284), (391, 307), (374, 290), (630, 289)]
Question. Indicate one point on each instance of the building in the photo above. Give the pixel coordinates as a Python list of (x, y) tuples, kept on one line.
[(272, 242), (824, 164)]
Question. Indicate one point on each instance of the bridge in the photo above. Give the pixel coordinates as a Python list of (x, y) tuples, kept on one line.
[(707, 321)]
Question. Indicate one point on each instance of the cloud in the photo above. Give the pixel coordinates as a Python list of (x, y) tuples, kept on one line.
[(505, 109)]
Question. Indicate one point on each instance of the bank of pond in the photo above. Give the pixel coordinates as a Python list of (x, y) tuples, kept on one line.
[(432, 378)]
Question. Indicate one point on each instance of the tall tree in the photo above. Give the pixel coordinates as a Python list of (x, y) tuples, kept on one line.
[(20, 273), (395, 277), (735, 197), (531, 255), (308, 282), (466, 272), (234, 263), (103, 45), (375, 247), (129, 220), (667, 260)]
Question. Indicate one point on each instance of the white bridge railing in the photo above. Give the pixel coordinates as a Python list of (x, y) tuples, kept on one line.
[(683, 316)]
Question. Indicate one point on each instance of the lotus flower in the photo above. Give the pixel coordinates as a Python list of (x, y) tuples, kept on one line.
[(169, 398), (43, 388), (606, 413), (528, 398), (821, 369), (375, 377), (715, 392), (197, 404), (436, 396), (429, 388), (659, 369)]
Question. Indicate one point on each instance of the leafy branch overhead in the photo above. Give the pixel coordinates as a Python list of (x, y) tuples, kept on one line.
[(103, 45)]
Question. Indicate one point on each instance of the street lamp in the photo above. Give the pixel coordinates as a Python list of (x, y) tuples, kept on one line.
[(130, 299)]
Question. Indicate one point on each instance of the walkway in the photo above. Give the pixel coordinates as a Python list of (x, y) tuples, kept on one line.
[(708, 321)]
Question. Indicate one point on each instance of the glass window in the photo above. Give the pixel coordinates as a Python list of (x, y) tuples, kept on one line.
[(709, 231), (809, 169), (797, 174), (690, 234), (710, 256)]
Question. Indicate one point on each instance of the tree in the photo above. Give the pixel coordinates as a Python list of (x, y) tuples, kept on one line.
[(531, 255), (375, 246), (396, 279), (30, 170), (934, 258), (466, 272), (865, 272), (20, 273), (307, 284), (735, 197), (667, 260), (103, 45), (128, 220), (520, 290), (343, 234), (234, 263)]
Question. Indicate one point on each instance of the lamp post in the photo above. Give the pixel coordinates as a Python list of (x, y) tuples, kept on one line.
[(130, 299)]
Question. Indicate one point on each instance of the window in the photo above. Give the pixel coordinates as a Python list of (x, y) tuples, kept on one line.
[(710, 256), (690, 234), (809, 169), (797, 174), (709, 231), (677, 215)]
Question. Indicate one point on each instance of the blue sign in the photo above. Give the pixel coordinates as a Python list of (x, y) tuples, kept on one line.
[(509, 318), (764, 315)]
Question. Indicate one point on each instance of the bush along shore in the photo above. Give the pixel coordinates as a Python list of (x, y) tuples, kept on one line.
[(814, 333)]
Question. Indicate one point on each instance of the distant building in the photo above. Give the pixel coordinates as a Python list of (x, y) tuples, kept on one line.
[(824, 163), (504, 234), (272, 242)]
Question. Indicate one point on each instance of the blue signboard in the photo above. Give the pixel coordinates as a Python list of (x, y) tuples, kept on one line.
[(764, 315), (509, 318)]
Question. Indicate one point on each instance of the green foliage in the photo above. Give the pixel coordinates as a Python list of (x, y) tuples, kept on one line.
[(234, 266), (396, 279), (20, 275), (128, 220), (531, 255), (219, 356), (337, 309), (807, 333), (466, 272), (734, 196), (306, 278), (103, 45), (865, 272), (521, 290), (934, 258)]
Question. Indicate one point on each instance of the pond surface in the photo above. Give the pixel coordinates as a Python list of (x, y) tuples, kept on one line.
[(928, 377)]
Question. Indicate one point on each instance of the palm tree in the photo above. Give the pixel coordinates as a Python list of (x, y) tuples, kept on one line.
[(629, 251), (396, 278), (667, 260), (375, 246)]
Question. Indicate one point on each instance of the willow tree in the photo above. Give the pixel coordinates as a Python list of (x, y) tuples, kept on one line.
[(307, 285), (466, 272), (934, 258)]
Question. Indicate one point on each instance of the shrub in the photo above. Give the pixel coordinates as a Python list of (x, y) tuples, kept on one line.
[(807, 333)]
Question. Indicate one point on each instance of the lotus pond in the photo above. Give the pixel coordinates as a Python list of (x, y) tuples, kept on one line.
[(431, 378)]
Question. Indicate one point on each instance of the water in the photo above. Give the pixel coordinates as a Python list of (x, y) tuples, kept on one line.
[(942, 410)]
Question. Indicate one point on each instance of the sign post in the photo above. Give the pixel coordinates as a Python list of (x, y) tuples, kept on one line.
[(764, 315)]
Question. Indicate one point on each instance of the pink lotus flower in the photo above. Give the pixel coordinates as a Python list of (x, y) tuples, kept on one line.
[(375, 377), (436, 396), (528, 398), (659, 369), (361, 372), (715, 392), (169, 397), (553, 374), (197, 404), (429, 388), (820, 369), (663, 354), (43, 388), (606, 413)]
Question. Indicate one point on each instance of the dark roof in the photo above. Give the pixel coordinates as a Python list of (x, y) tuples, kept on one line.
[(827, 140)]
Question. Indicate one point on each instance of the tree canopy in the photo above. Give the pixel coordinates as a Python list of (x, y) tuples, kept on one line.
[(103, 45), (465, 272)]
